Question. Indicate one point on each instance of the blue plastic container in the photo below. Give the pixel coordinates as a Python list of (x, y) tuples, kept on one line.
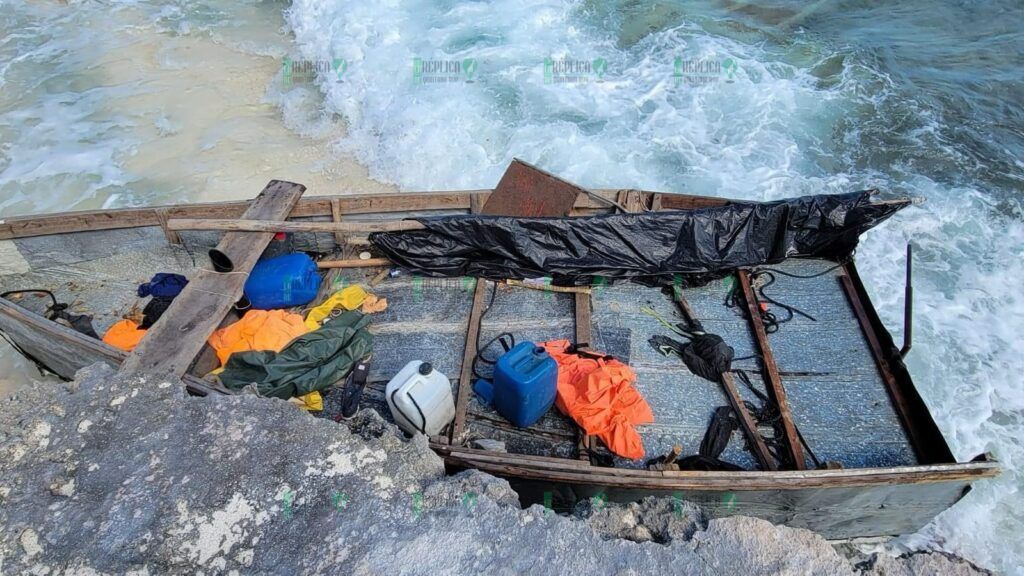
[(524, 386), (282, 282)]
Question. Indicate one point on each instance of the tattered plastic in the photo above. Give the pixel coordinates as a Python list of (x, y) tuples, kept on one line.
[(694, 245)]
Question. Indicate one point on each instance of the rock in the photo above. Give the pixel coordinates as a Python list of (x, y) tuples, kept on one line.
[(29, 541), (919, 564), (661, 520), (159, 482)]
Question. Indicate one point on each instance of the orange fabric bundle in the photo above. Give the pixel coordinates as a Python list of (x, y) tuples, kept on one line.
[(257, 330), (598, 394), (125, 335)]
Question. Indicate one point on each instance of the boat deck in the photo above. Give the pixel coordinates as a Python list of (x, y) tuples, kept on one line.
[(836, 395)]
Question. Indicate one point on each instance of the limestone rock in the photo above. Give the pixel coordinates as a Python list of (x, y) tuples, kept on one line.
[(159, 482)]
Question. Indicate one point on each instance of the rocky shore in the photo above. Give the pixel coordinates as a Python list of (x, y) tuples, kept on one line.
[(106, 475)]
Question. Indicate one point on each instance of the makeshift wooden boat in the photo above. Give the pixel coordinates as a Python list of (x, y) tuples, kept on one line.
[(839, 380)]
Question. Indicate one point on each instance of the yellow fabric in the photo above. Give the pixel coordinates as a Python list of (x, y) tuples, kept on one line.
[(312, 401), (257, 330), (349, 298), (125, 335), (374, 304)]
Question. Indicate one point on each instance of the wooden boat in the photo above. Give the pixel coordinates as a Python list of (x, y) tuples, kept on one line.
[(839, 380)]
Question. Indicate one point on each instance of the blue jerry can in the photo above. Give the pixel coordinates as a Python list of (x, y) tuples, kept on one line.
[(282, 282), (524, 385)]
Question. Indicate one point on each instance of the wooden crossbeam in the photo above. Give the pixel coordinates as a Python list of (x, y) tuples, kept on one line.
[(265, 225), (172, 344), (771, 372), (735, 400), (468, 354), (584, 335)]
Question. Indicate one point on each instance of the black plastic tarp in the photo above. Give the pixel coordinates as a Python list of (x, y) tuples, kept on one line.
[(693, 246)]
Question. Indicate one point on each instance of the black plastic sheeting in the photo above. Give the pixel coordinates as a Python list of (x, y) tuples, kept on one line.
[(694, 246)]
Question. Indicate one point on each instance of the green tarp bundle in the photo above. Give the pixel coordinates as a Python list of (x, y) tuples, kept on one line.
[(311, 362)]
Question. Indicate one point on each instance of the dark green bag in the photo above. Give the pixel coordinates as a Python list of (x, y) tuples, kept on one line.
[(311, 362)]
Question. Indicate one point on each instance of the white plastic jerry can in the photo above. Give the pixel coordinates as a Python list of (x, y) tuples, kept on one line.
[(420, 399)]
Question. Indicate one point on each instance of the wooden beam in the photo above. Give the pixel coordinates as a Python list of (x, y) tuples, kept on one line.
[(468, 354), (584, 325), (339, 237), (65, 351), (245, 225), (747, 422), (88, 220), (899, 402), (774, 380), (631, 200), (548, 287), (172, 344), (714, 480), (354, 263), (690, 202), (584, 335), (172, 236), (757, 444)]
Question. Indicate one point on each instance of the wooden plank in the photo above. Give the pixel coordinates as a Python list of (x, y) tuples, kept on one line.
[(246, 225), (354, 263), (339, 237), (172, 236), (899, 402), (744, 480), (77, 222), (66, 351), (656, 202), (171, 345), (631, 200), (747, 421), (528, 191), (468, 354), (774, 381), (584, 325), (477, 201), (584, 336), (754, 437), (548, 287), (690, 202), (86, 220)]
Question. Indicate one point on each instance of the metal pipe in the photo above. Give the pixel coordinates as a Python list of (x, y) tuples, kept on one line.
[(908, 305)]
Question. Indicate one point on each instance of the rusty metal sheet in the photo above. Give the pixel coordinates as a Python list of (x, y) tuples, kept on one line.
[(525, 190)]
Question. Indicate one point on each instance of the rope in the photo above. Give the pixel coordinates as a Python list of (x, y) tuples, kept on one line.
[(653, 314), (769, 414), (770, 321)]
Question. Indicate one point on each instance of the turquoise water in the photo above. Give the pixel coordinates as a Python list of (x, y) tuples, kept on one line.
[(746, 100)]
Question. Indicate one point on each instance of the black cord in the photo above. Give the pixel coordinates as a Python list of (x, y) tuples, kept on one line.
[(423, 418), (770, 321), (33, 290), (478, 357), (769, 414)]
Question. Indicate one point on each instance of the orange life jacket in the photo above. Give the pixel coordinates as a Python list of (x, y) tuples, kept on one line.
[(598, 394), (257, 330), (125, 335)]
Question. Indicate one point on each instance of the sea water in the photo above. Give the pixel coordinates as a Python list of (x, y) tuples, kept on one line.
[(123, 103)]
